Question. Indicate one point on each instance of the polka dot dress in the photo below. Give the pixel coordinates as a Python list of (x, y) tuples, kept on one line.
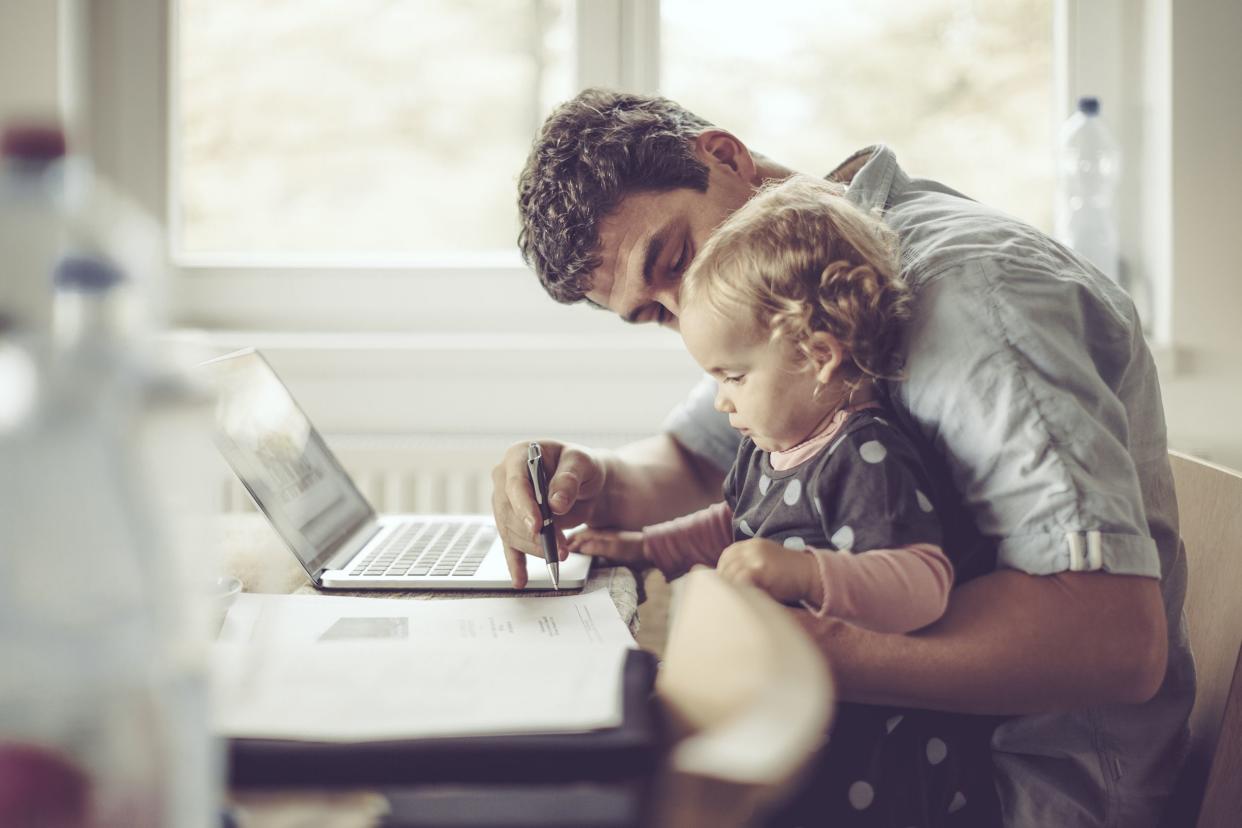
[(881, 766), (914, 768), (867, 490)]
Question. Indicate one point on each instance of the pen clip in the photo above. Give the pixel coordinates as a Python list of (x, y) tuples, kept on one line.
[(534, 457)]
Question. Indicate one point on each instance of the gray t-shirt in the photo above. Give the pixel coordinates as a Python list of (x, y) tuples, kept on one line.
[(1028, 378)]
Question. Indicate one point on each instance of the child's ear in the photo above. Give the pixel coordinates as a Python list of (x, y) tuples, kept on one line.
[(827, 354)]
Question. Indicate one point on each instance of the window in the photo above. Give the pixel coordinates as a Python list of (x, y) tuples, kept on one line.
[(355, 130), (960, 89), (348, 165)]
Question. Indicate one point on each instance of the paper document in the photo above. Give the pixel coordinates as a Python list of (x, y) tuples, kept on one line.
[(586, 618), (362, 669)]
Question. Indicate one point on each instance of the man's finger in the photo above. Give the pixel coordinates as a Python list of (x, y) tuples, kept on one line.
[(509, 524), (521, 498), (576, 476), (516, 560)]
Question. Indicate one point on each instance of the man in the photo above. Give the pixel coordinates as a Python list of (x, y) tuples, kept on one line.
[(1026, 374)]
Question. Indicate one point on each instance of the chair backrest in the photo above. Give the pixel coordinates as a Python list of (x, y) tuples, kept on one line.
[(1209, 501), (749, 697)]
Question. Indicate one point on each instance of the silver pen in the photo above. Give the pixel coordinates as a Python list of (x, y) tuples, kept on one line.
[(547, 531)]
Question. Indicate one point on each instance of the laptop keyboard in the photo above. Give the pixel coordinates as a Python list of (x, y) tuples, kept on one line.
[(440, 548)]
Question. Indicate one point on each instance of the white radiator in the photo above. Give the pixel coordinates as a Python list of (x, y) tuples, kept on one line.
[(422, 474)]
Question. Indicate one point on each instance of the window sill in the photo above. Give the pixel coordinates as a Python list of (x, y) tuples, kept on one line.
[(440, 383)]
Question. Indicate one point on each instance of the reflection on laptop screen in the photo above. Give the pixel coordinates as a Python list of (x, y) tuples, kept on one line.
[(282, 460)]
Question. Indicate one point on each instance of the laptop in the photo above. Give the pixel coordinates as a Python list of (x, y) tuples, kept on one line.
[(318, 511)]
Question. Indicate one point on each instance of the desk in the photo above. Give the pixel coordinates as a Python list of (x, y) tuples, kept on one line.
[(252, 552)]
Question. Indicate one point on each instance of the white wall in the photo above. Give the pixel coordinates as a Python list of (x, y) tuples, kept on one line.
[(1203, 399), (29, 76)]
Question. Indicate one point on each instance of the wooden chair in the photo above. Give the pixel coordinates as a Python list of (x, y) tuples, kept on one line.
[(1209, 500), (747, 695)]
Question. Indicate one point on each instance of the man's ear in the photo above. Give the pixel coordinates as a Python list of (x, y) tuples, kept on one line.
[(715, 147), (827, 354)]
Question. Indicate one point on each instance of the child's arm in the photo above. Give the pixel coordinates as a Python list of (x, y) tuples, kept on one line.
[(673, 546), (885, 590)]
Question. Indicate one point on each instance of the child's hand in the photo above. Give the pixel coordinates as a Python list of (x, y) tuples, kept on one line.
[(620, 547), (788, 575)]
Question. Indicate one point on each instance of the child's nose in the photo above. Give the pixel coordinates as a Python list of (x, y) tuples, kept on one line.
[(722, 402)]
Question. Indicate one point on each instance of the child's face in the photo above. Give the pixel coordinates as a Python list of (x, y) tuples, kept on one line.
[(767, 388)]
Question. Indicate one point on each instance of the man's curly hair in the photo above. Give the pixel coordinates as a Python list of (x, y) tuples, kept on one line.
[(592, 152)]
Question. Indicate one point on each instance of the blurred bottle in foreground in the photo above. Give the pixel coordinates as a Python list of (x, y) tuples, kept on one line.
[(1089, 172), (103, 714)]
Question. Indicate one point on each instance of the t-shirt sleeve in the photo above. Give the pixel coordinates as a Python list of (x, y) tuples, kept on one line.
[(701, 429), (1013, 375), (872, 493)]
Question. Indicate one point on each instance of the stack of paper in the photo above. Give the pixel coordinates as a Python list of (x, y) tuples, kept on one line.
[(357, 669)]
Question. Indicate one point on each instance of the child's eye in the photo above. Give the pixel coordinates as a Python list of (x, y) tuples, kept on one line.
[(733, 379)]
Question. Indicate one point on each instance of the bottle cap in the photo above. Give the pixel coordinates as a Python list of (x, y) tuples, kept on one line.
[(1089, 105), (32, 142)]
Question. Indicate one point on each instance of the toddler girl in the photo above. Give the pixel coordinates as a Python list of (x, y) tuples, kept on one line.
[(795, 306)]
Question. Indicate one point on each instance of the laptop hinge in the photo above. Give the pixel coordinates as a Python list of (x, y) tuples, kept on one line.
[(348, 549)]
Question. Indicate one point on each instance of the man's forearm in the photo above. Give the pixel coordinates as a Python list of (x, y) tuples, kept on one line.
[(1011, 643), (654, 480)]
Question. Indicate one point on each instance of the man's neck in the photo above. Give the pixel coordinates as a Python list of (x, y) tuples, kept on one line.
[(769, 170)]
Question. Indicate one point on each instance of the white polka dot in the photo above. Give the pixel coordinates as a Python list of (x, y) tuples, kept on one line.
[(958, 803), (843, 538), (936, 750), (795, 543), (924, 503), (764, 483), (892, 723), (745, 527), (793, 491), (872, 451), (861, 795)]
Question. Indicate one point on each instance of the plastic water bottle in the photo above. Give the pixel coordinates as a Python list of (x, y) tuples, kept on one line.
[(102, 680), (1089, 169)]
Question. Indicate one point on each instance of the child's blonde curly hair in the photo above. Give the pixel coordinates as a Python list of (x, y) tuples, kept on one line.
[(802, 258)]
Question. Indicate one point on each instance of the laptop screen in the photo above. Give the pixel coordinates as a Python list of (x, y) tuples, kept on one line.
[(283, 461)]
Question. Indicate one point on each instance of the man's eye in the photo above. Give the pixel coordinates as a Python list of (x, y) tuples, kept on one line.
[(681, 259)]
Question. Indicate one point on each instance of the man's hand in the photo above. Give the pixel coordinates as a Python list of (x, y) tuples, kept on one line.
[(616, 546), (788, 575), (576, 480)]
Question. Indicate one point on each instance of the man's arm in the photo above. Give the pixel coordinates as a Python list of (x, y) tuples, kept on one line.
[(645, 482), (655, 480), (1011, 644)]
